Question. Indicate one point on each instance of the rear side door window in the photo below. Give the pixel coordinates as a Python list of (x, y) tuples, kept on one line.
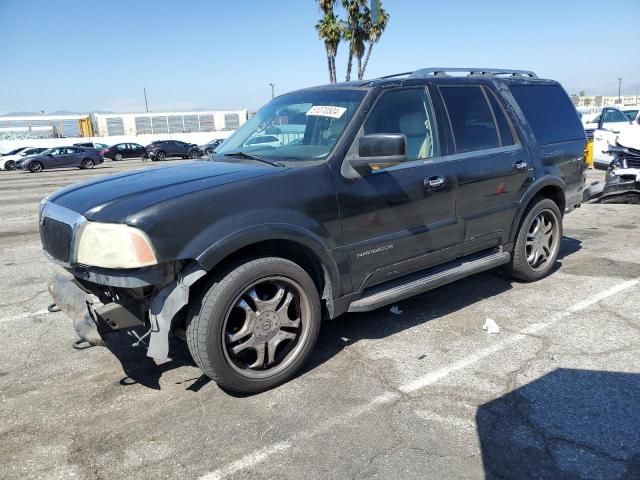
[(471, 118)]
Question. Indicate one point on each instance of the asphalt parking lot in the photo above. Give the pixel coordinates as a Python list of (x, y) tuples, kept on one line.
[(422, 394)]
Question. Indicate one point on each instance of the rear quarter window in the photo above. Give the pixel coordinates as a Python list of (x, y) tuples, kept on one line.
[(550, 113)]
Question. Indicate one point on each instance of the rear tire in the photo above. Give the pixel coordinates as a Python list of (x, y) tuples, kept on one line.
[(36, 167), (87, 163), (254, 326), (538, 241)]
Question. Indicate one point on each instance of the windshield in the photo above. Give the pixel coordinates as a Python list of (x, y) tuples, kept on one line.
[(296, 127), (16, 151)]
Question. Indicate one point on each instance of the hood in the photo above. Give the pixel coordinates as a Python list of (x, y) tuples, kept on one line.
[(630, 138), (114, 198)]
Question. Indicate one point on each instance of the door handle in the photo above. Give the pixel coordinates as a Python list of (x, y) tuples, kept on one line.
[(520, 165), (433, 183)]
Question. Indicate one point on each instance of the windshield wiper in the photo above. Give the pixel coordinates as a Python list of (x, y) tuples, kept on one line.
[(240, 154)]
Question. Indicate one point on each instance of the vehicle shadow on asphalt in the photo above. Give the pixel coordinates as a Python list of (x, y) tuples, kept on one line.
[(143, 370), (337, 334), (567, 424)]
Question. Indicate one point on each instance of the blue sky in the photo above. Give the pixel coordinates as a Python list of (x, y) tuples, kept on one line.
[(88, 55)]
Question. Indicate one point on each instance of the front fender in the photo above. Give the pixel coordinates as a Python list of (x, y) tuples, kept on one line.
[(224, 238)]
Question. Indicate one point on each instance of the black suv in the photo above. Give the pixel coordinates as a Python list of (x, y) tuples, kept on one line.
[(171, 148), (380, 190)]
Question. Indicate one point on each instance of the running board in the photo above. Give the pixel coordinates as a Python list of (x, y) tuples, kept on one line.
[(429, 282)]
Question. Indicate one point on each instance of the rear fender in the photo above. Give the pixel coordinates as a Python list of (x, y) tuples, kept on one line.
[(535, 188)]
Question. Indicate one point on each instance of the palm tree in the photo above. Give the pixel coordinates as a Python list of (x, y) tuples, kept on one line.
[(330, 31), (374, 34), (353, 30)]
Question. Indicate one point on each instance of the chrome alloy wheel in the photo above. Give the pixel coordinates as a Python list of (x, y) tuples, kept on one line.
[(266, 327), (542, 239)]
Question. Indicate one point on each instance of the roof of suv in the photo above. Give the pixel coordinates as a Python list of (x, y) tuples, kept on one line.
[(425, 74)]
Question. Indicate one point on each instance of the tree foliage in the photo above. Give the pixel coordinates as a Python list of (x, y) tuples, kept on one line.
[(357, 30)]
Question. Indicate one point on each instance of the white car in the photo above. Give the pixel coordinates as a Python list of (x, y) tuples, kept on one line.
[(613, 117), (612, 123), (8, 161)]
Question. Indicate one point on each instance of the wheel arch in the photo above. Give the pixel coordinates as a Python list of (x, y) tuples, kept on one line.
[(552, 188), (293, 243)]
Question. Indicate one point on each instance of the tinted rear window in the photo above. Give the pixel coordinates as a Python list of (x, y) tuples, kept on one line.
[(550, 113), (471, 119)]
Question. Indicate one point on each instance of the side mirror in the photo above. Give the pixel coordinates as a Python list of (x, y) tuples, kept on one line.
[(380, 149)]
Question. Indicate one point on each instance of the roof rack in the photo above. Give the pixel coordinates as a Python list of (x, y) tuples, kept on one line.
[(443, 72)]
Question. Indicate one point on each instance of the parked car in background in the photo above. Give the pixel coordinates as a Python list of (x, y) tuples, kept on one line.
[(208, 148), (8, 162), (612, 117), (612, 122), (98, 146), (401, 185), (171, 148), (123, 150), (263, 141), (61, 157)]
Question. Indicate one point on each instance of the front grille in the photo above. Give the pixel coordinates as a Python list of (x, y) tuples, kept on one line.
[(633, 162), (56, 239)]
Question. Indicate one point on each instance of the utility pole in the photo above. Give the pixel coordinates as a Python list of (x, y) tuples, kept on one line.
[(619, 90), (273, 94), (146, 105)]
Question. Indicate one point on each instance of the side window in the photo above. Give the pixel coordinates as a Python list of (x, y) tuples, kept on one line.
[(506, 135), (549, 112), (471, 118), (408, 112)]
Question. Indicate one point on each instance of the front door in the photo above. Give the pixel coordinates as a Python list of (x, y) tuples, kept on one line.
[(493, 168), (400, 218)]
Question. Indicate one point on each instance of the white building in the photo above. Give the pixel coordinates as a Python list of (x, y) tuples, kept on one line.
[(117, 124), (600, 101)]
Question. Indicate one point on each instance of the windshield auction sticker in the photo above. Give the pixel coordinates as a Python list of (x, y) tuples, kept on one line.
[(326, 111)]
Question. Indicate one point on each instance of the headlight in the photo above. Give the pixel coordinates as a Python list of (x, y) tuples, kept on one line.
[(111, 245)]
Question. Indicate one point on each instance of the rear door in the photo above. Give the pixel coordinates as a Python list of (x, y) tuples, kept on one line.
[(74, 156), (400, 218), (493, 168), (135, 150)]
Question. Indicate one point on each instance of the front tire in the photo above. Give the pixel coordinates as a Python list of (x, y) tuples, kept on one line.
[(36, 167), (161, 156), (254, 327), (538, 241), (117, 157), (10, 165), (193, 154)]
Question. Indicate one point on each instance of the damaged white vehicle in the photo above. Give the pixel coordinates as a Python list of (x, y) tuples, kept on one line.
[(612, 123), (622, 183)]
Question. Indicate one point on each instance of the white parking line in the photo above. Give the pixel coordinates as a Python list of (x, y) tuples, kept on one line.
[(23, 316), (259, 456)]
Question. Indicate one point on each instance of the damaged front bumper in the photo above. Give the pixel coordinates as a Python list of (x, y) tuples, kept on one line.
[(93, 318), (622, 185)]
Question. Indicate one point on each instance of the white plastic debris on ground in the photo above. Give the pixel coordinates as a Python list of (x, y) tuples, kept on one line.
[(395, 310), (491, 326)]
